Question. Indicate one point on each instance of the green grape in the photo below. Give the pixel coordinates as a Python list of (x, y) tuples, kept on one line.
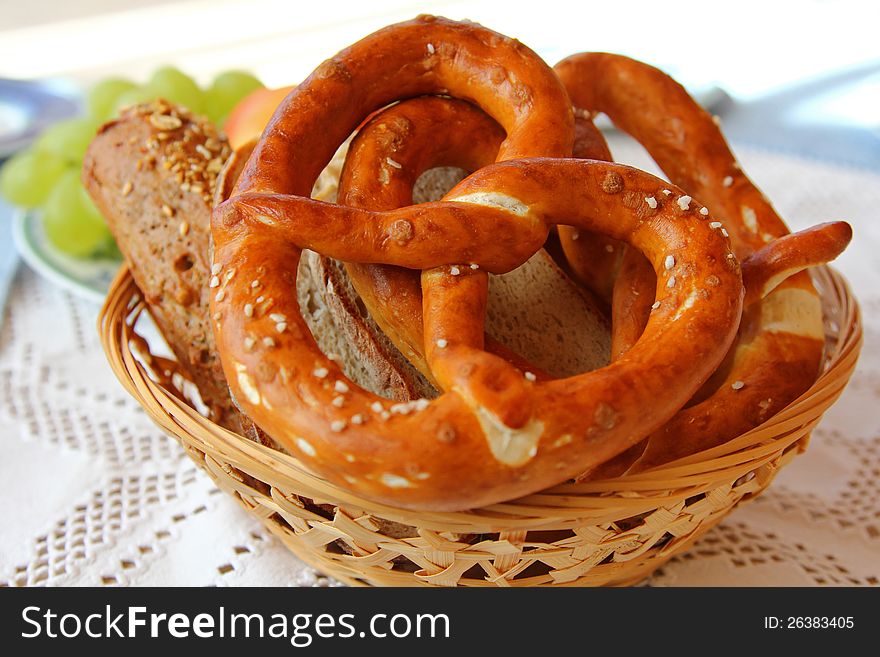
[(69, 138), (226, 90), (174, 85), (101, 99), (70, 219), (108, 249), (28, 177), (134, 96)]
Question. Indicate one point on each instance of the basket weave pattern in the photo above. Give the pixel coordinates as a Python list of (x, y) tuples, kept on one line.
[(611, 532)]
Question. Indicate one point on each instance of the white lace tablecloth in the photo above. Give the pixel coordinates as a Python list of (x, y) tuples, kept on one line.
[(93, 493)]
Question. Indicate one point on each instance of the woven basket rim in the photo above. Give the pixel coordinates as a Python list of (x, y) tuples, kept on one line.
[(559, 506)]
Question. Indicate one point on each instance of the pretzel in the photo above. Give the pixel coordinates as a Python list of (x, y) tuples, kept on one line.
[(779, 347), (494, 434), (385, 159), (593, 260)]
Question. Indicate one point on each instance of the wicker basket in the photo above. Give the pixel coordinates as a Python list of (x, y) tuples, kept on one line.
[(612, 532)]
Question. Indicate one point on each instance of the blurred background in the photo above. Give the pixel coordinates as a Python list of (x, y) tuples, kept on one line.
[(812, 65), (751, 47)]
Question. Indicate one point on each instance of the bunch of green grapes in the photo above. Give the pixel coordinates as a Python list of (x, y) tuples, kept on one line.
[(47, 175)]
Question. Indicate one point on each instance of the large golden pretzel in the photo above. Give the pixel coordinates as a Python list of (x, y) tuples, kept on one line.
[(494, 434), (781, 339)]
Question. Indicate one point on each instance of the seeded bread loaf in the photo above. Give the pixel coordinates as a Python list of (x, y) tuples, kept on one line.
[(152, 172)]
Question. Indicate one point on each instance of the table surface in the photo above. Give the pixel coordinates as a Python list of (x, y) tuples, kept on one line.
[(93, 493)]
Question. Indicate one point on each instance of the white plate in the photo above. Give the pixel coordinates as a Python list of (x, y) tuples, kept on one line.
[(89, 279)]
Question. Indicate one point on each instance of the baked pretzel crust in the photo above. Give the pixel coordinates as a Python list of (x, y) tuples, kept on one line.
[(494, 434)]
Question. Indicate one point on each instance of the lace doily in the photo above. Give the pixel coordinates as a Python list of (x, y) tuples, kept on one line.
[(94, 494)]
